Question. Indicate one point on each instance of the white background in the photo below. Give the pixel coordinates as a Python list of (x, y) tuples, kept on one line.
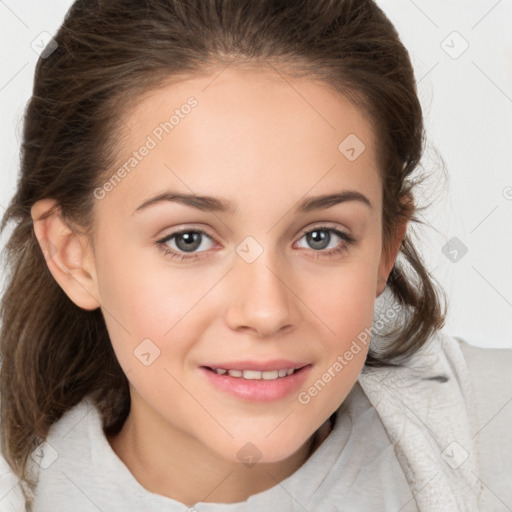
[(467, 102)]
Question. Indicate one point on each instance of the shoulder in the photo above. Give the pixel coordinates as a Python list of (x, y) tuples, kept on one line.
[(461, 394), (487, 365), (491, 379), (63, 439), (11, 496)]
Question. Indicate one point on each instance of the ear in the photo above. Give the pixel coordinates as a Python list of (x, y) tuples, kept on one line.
[(388, 258), (67, 252)]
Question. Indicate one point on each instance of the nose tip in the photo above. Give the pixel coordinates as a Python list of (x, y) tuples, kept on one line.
[(265, 328)]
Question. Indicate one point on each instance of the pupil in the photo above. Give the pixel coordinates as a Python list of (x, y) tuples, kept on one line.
[(317, 239), (191, 241)]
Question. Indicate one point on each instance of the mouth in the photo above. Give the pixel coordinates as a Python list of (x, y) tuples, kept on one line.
[(257, 385), (255, 374)]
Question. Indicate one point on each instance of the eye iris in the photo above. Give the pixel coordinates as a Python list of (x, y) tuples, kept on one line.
[(192, 241), (318, 237)]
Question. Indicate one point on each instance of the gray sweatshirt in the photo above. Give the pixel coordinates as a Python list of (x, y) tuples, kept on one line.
[(435, 435)]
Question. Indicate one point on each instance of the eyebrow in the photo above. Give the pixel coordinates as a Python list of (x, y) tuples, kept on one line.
[(213, 204)]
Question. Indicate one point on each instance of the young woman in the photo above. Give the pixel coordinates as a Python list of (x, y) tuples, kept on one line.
[(213, 300)]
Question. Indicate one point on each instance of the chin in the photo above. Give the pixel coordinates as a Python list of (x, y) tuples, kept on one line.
[(262, 452)]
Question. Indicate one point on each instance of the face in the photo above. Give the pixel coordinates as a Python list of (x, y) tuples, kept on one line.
[(253, 279)]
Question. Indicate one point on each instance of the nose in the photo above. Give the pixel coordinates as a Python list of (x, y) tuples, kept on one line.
[(261, 299)]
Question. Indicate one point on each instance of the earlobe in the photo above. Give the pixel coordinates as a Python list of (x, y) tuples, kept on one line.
[(67, 254)]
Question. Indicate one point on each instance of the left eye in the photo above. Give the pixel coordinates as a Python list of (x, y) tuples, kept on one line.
[(319, 238)]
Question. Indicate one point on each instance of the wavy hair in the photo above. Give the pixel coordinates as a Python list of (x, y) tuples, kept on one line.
[(109, 53)]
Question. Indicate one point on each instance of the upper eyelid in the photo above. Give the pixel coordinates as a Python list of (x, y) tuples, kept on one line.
[(185, 230), (320, 226)]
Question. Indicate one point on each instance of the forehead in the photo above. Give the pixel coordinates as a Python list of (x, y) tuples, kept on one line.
[(254, 130), (244, 99)]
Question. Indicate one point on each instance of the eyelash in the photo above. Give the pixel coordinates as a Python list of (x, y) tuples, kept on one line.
[(162, 243)]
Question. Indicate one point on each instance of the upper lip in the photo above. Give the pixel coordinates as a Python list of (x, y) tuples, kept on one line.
[(265, 366)]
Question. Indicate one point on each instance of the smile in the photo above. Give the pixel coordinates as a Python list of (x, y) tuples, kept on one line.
[(255, 374), (254, 385)]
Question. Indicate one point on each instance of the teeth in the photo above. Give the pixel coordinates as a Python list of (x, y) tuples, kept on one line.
[(255, 374), (252, 374)]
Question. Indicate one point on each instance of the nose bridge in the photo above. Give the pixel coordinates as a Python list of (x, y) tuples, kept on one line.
[(260, 297)]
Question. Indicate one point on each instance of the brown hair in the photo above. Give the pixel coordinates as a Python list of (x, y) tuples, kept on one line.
[(53, 352)]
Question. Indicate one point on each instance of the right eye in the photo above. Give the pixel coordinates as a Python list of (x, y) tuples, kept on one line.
[(185, 242)]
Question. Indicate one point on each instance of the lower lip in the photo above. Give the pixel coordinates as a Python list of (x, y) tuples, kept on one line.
[(258, 390)]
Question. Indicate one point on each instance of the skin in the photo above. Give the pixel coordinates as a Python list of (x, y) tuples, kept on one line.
[(263, 143)]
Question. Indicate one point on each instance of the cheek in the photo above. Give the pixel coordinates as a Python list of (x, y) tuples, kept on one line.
[(145, 299), (345, 308), (345, 298)]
